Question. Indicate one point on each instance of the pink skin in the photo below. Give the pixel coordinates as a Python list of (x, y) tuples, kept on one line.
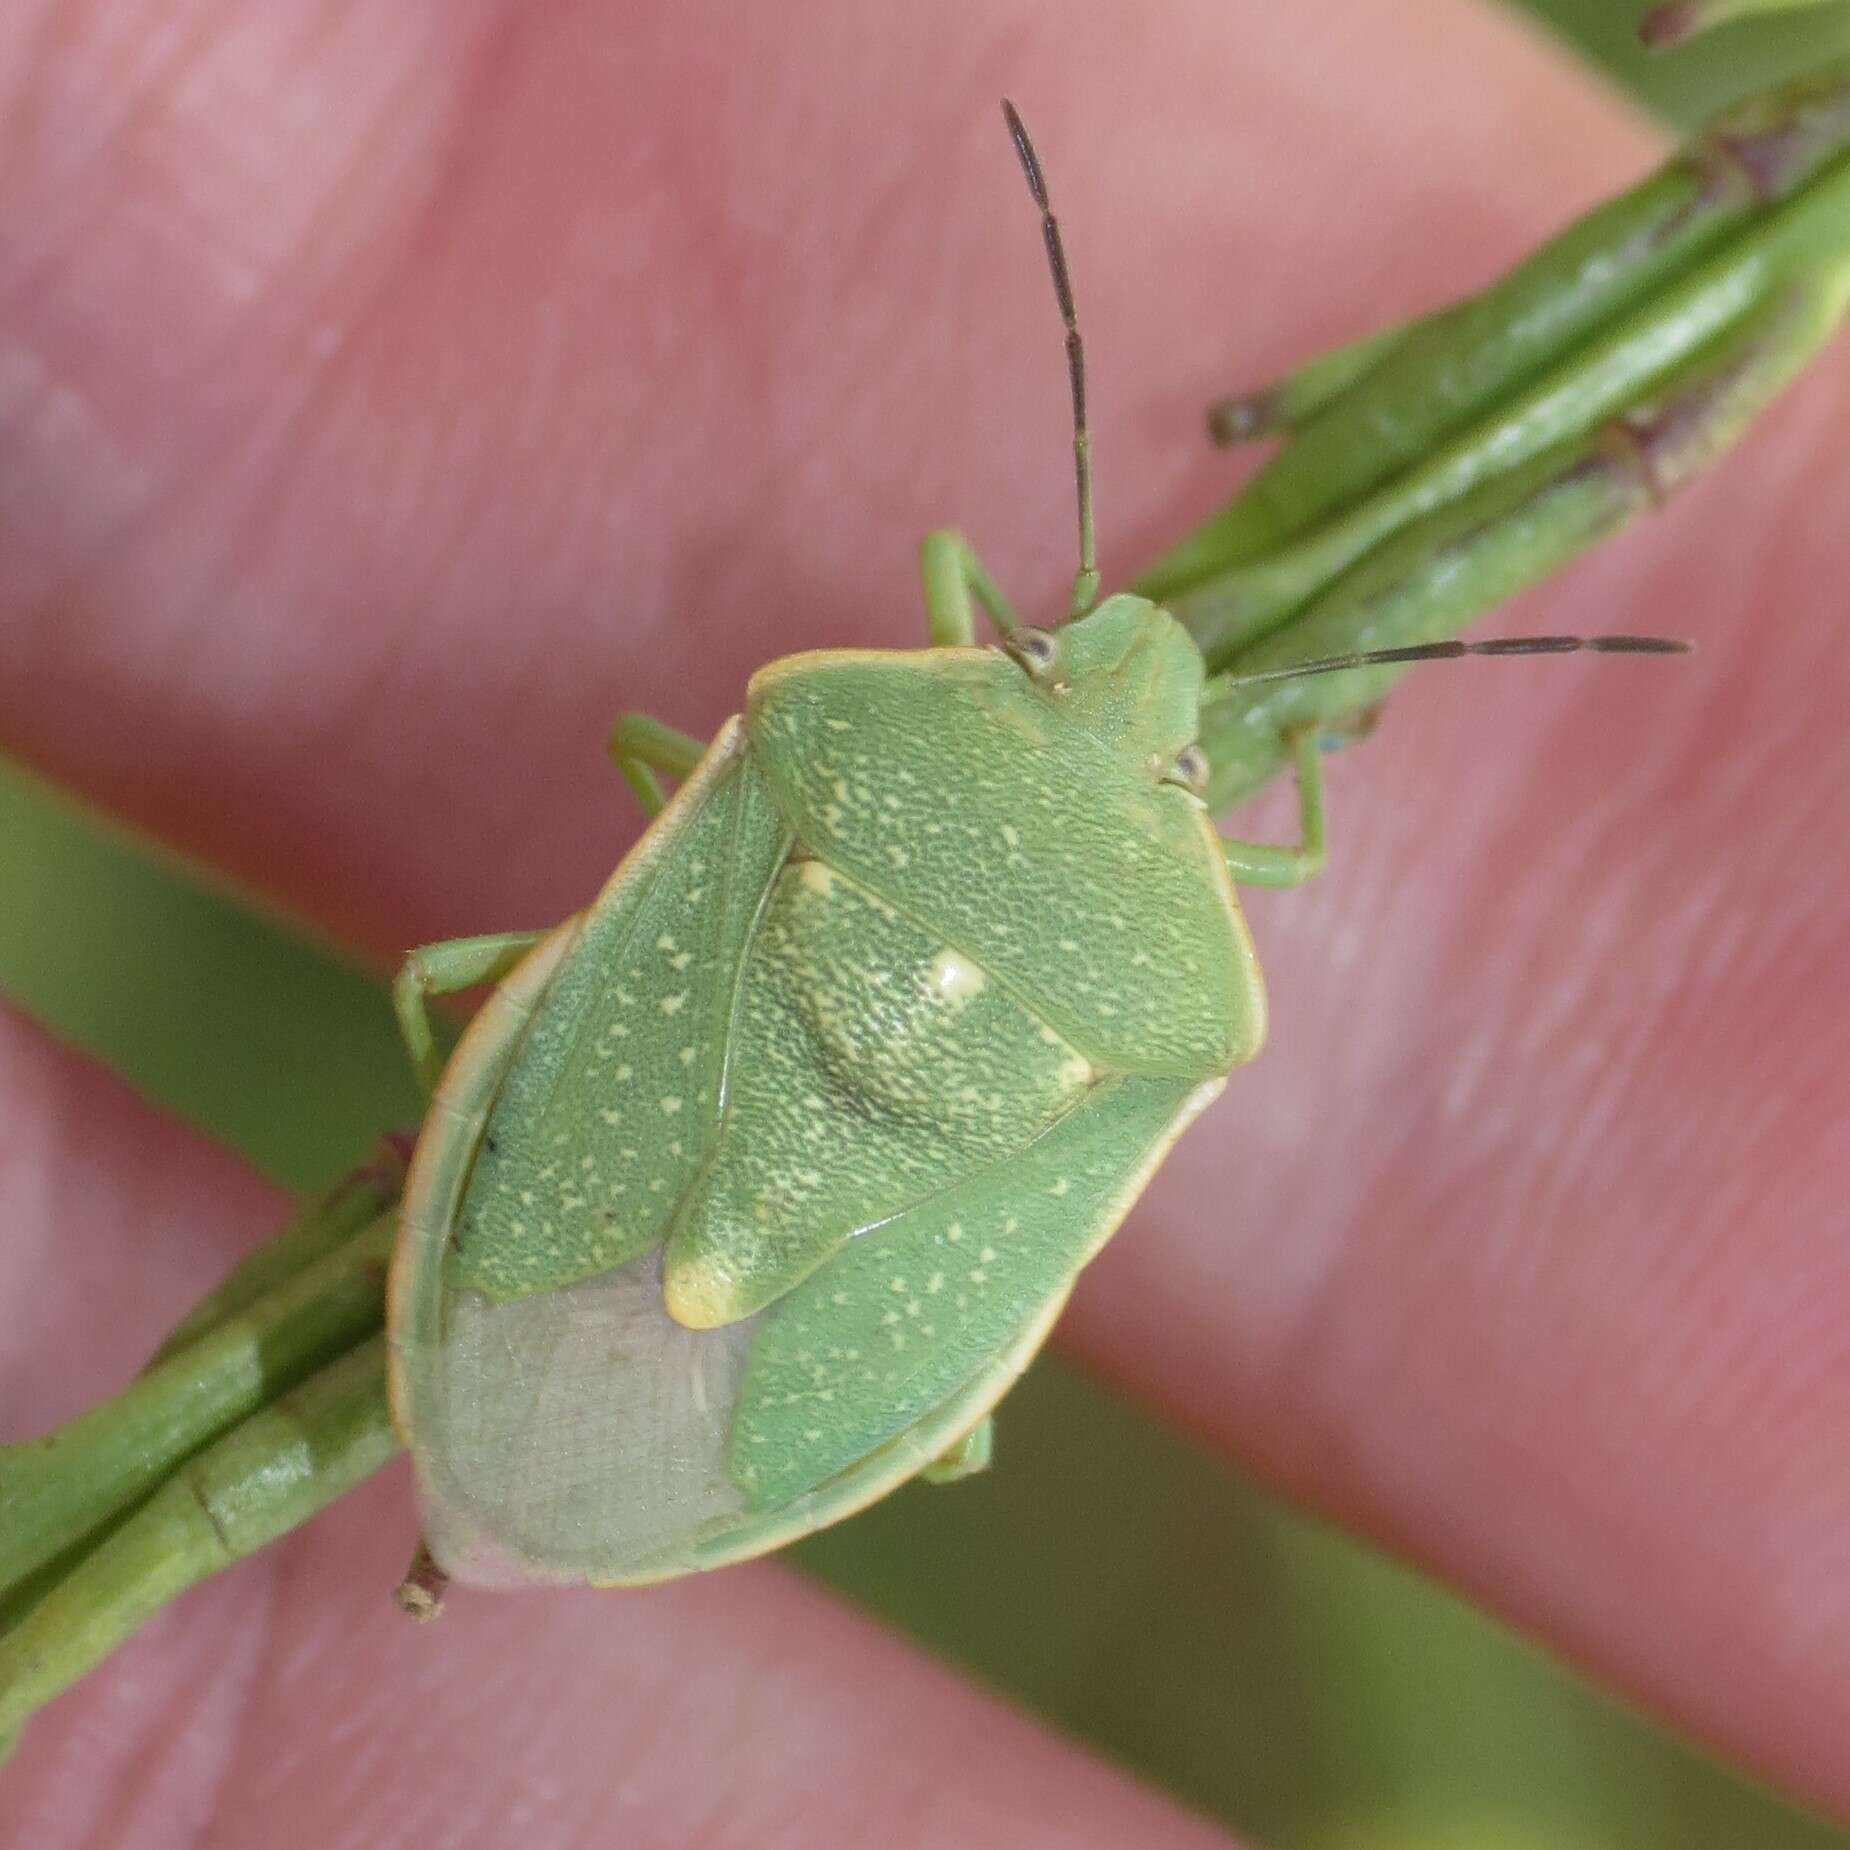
[(393, 392)]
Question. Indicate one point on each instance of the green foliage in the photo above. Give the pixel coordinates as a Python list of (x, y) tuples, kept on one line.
[(1699, 78)]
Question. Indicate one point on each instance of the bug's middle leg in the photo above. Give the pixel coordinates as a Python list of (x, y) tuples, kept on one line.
[(971, 1454), (443, 970), (1269, 863), (955, 581), (643, 746)]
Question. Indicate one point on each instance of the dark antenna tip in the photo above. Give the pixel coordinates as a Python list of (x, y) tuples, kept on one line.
[(1085, 582), (1452, 649), (1024, 150)]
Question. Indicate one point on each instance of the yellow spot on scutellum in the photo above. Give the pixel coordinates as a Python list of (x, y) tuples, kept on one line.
[(817, 878), (700, 1295)]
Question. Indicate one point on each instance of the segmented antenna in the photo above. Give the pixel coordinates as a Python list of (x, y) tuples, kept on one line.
[(1085, 585), (1451, 650)]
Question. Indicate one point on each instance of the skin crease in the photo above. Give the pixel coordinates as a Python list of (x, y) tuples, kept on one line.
[(391, 393)]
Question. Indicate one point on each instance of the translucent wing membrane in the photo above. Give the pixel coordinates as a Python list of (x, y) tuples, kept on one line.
[(577, 1435)]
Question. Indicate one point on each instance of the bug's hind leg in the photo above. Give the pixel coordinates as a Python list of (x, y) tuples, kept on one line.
[(1268, 863), (955, 581), (971, 1454), (643, 746), (442, 970)]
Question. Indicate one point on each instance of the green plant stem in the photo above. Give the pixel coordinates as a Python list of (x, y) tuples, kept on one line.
[(1290, 403), (57, 1489), (327, 1221), (1598, 318), (1679, 20), (1430, 579), (264, 1478)]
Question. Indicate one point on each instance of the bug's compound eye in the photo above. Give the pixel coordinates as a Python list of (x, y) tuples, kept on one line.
[(1190, 770), (1038, 651)]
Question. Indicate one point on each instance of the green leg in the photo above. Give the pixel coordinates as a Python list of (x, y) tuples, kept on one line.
[(967, 1457), (1265, 863), (442, 970), (642, 746), (955, 582)]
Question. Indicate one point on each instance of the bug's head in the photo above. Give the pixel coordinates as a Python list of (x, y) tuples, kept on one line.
[(1125, 669), (1128, 672)]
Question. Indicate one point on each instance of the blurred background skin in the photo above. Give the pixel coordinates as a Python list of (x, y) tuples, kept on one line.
[(389, 394)]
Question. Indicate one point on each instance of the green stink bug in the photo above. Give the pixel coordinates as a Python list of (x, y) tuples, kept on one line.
[(754, 1186)]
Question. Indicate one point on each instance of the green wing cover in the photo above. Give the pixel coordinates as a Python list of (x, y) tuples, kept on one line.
[(610, 1109), (904, 1319)]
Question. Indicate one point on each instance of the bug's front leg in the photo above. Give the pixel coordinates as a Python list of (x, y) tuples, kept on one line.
[(1270, 864), (643, 746), (955, 581), (971, 1454), (443, 970)]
